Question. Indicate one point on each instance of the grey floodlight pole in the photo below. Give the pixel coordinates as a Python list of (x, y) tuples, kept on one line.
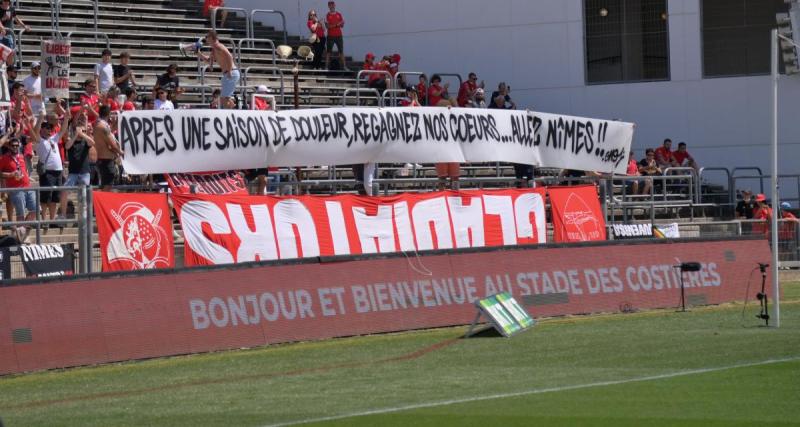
[(776, 305)]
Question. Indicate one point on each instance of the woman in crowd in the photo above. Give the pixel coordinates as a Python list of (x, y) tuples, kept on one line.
[(316, 38)]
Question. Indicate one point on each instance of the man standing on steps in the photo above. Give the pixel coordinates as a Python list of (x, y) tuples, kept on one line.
[(230, 75), (334, 22), (108, 151)]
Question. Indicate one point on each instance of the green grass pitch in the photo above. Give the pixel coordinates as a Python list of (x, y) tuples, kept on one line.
[(712, 366)]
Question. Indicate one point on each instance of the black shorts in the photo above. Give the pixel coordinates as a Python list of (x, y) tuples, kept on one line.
[(50, 179), (108, 171), (338, 41)]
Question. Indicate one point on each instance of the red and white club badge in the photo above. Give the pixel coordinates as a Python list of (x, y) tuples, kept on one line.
[(140, 242)]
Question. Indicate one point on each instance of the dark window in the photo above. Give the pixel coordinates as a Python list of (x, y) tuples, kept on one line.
[(626, 40), (736, 36)]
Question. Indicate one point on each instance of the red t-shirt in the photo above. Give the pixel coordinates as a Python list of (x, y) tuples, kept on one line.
[(319, 31), (128, 106), (633, 167), (262, 104), (112, 104), (680, 156), (334, 21), (463, 98), (11, 163), (433, 99), (664, 155), (94, 102), (422, 91)]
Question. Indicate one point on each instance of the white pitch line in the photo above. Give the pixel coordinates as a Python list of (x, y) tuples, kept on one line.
[(532, 391)]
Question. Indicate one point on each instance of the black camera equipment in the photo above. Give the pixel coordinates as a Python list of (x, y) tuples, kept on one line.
[(762, 296), (684, 267)]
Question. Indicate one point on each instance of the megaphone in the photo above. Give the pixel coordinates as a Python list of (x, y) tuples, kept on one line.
[(190, 49)]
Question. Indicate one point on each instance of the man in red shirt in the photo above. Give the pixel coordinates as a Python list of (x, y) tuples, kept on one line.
[(683, 158), (15, 175), (437, 94), (466, 93), (334, 22), (664, 155), (91, 100)]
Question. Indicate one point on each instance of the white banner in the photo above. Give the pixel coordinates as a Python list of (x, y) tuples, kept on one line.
[(55, 68), (206, 140)]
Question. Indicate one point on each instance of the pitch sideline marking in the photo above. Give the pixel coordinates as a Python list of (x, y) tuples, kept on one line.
[(533, 391)]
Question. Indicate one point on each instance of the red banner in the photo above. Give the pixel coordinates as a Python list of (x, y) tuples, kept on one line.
[(577, 216), (233, 229), (207, 183), (134, 234), (99, 320)]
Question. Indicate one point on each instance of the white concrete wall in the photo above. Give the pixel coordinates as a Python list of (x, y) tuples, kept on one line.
[(537, 47)]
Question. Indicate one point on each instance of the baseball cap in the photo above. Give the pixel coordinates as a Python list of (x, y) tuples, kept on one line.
[(786, 205), (35, 64), (480, 91), (761, 197), (262, 89), (370, 55)]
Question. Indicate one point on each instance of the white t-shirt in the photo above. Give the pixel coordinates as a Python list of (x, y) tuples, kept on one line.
[(105, 73), (33, 86), (164, 105), (48, 152)]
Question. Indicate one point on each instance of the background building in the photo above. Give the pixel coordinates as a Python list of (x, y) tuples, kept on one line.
[(689, 70)]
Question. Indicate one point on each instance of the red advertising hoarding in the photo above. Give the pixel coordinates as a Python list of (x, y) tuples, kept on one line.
[(88, 321)]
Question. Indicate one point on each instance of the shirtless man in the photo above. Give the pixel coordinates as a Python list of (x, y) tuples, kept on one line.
[(108, 150), (220, 54)]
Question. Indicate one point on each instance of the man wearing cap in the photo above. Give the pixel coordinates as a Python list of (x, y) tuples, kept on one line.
[(49, 155), (15, 175), (221, 55), (334, 21), (104, 72), (33, 88)]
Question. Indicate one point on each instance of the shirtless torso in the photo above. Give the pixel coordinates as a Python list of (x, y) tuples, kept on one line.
[(105, 142)]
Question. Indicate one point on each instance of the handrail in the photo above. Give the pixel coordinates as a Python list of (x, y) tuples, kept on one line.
[(18, 44), (362, 73), (231, 9), (761, 179), (95, 33), (278, 71), (692, 177), (55, 14), (393, 98), (358, 91), (237, 50), (253, 13), (405, 73), (703, 170), (749, 168)]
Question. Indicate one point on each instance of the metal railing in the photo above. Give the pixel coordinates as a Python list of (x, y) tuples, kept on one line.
[(275, 71), (252, 32), (95, 33), (689, 186), (761, 178), (55, 16), (358, 91), (729, 193), (237, 50), (393, 98), (231, 9), (748, 169)]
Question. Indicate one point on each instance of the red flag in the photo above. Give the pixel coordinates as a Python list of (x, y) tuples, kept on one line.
[(577, 216), (135, 231)]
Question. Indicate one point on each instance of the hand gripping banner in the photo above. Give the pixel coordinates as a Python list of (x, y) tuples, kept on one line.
[(234, 229), (212, 140), (135, 231)]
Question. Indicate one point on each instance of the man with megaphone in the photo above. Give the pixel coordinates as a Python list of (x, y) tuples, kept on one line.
[(221, 55)]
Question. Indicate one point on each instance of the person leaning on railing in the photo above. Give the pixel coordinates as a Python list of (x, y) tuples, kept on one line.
[(15, 175)]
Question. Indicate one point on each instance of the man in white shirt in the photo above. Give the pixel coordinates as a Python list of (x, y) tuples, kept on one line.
[(33, 88), (50, 155), (104, 72)]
